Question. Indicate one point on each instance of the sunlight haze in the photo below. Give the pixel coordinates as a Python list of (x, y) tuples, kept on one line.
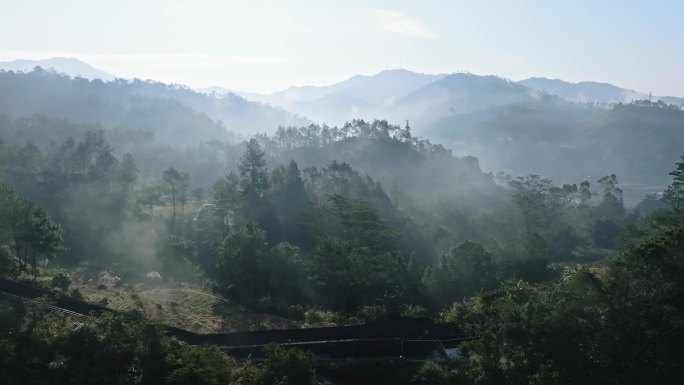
[(380, 192), (268, 46)]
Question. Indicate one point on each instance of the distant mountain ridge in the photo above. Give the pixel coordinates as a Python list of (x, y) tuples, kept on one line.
[(466, 93), (551, 127), (378, 89), (233, 111), (68, 66), (640, 142), (361, 96), (175, 114), (592, 92), (400, 95), (378, 93), (396, 95)]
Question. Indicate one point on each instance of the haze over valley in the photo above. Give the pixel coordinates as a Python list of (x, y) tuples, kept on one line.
[(360, 192), (532, 126)]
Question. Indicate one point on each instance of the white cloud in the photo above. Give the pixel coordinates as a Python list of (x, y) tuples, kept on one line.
[(397, 22)]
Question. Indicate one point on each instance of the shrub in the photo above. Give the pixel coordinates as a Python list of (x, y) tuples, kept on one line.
[(76, 293), (61, 281), (287, 367), (8, 264), (137, 299)]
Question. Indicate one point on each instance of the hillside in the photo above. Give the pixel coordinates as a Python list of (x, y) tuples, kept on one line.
[(175, 114), (464, 93), (235, 112), (638, 142), (360, 96), (400, 95), (62, 65), (108, 104), (592, 92)]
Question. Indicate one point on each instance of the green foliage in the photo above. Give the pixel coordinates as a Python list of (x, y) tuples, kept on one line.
[(253, 173), (650, 205), (289, 281), (177, 183), (207, 365), (467, 268), (537, 200), (147, 111), (9, 266), (178, 259), (28, 227), (566, 141), (649, 283), (137, 300), (290, 202), (356, 261), (227, 197), (356, 221), (334, 225), (116, 349), (596, 326), (674, 194), (350, 277), (61, 281), (76, 293), (432, 373), (377, 371), (82, 185), (361, 267), (287, 367), (242, 271)]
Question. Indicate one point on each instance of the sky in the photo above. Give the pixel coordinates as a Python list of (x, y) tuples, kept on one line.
[(264, 46)]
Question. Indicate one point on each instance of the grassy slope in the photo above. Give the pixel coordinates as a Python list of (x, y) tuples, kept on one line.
[(190, 307)]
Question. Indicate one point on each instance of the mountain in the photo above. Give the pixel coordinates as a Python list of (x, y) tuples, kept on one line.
[(360, 96), (116, 105), (381, 89), (173, 114), (236, 113), (399, 95), (464, 93), (233, 111), (68, 66), (672, 100), (592, 92), (567, 142), (220, 91)]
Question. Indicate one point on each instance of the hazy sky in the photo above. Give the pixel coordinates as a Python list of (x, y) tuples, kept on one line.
[(269, 45)]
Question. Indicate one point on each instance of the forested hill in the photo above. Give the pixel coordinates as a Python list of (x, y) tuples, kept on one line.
[(402, 162), (636, 141), (63, 65), (131, 199), (174, 114), (399, 95), (593, 92), (234, 112), (322, 225), (432, 198)]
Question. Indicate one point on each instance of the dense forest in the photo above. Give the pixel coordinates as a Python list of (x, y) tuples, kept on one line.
[(115, 200), (635, 140)]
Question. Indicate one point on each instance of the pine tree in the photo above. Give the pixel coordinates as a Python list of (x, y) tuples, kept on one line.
[(674, 194), (253, 173)]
